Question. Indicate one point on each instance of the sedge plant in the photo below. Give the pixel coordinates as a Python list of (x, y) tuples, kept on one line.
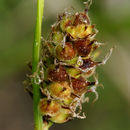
[(62, 66)]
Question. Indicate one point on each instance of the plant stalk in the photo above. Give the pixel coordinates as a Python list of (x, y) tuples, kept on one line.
[(38, 122)]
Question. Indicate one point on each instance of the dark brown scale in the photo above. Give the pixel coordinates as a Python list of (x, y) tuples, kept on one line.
[(67, 52), (58, 74), (88, 63), (79, 85), (80, 19), (83, 47), (90, 83)]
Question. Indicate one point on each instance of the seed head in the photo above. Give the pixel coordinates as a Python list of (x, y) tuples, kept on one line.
[(67, 62)]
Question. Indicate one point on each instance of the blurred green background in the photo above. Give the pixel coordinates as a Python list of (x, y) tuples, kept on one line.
[(17, 22)]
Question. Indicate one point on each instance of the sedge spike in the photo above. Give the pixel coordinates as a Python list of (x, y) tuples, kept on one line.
[(66, 62)]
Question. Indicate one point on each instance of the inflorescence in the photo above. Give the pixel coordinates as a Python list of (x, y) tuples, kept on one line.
[(67, 62)]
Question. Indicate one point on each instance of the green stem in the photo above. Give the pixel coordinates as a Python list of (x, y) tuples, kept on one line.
[(38, 123)]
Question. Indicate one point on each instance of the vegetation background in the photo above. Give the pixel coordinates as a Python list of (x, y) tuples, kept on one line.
[(17, 22)]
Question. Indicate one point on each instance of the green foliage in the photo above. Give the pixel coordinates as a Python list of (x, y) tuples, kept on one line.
[(16, 34)]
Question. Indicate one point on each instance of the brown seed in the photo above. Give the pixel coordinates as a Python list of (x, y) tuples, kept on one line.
[(58, 74)]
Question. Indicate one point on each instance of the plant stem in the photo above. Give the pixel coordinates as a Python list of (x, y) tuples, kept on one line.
[(38, 123)]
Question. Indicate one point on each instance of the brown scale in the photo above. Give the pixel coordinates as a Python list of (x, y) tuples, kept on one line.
[(81, 18), (88, 63), (58, 74), (83, 47), (68, 52), (69, 23), (79, 85)]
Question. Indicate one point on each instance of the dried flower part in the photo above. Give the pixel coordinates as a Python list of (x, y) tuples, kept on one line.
[(66, 65)]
